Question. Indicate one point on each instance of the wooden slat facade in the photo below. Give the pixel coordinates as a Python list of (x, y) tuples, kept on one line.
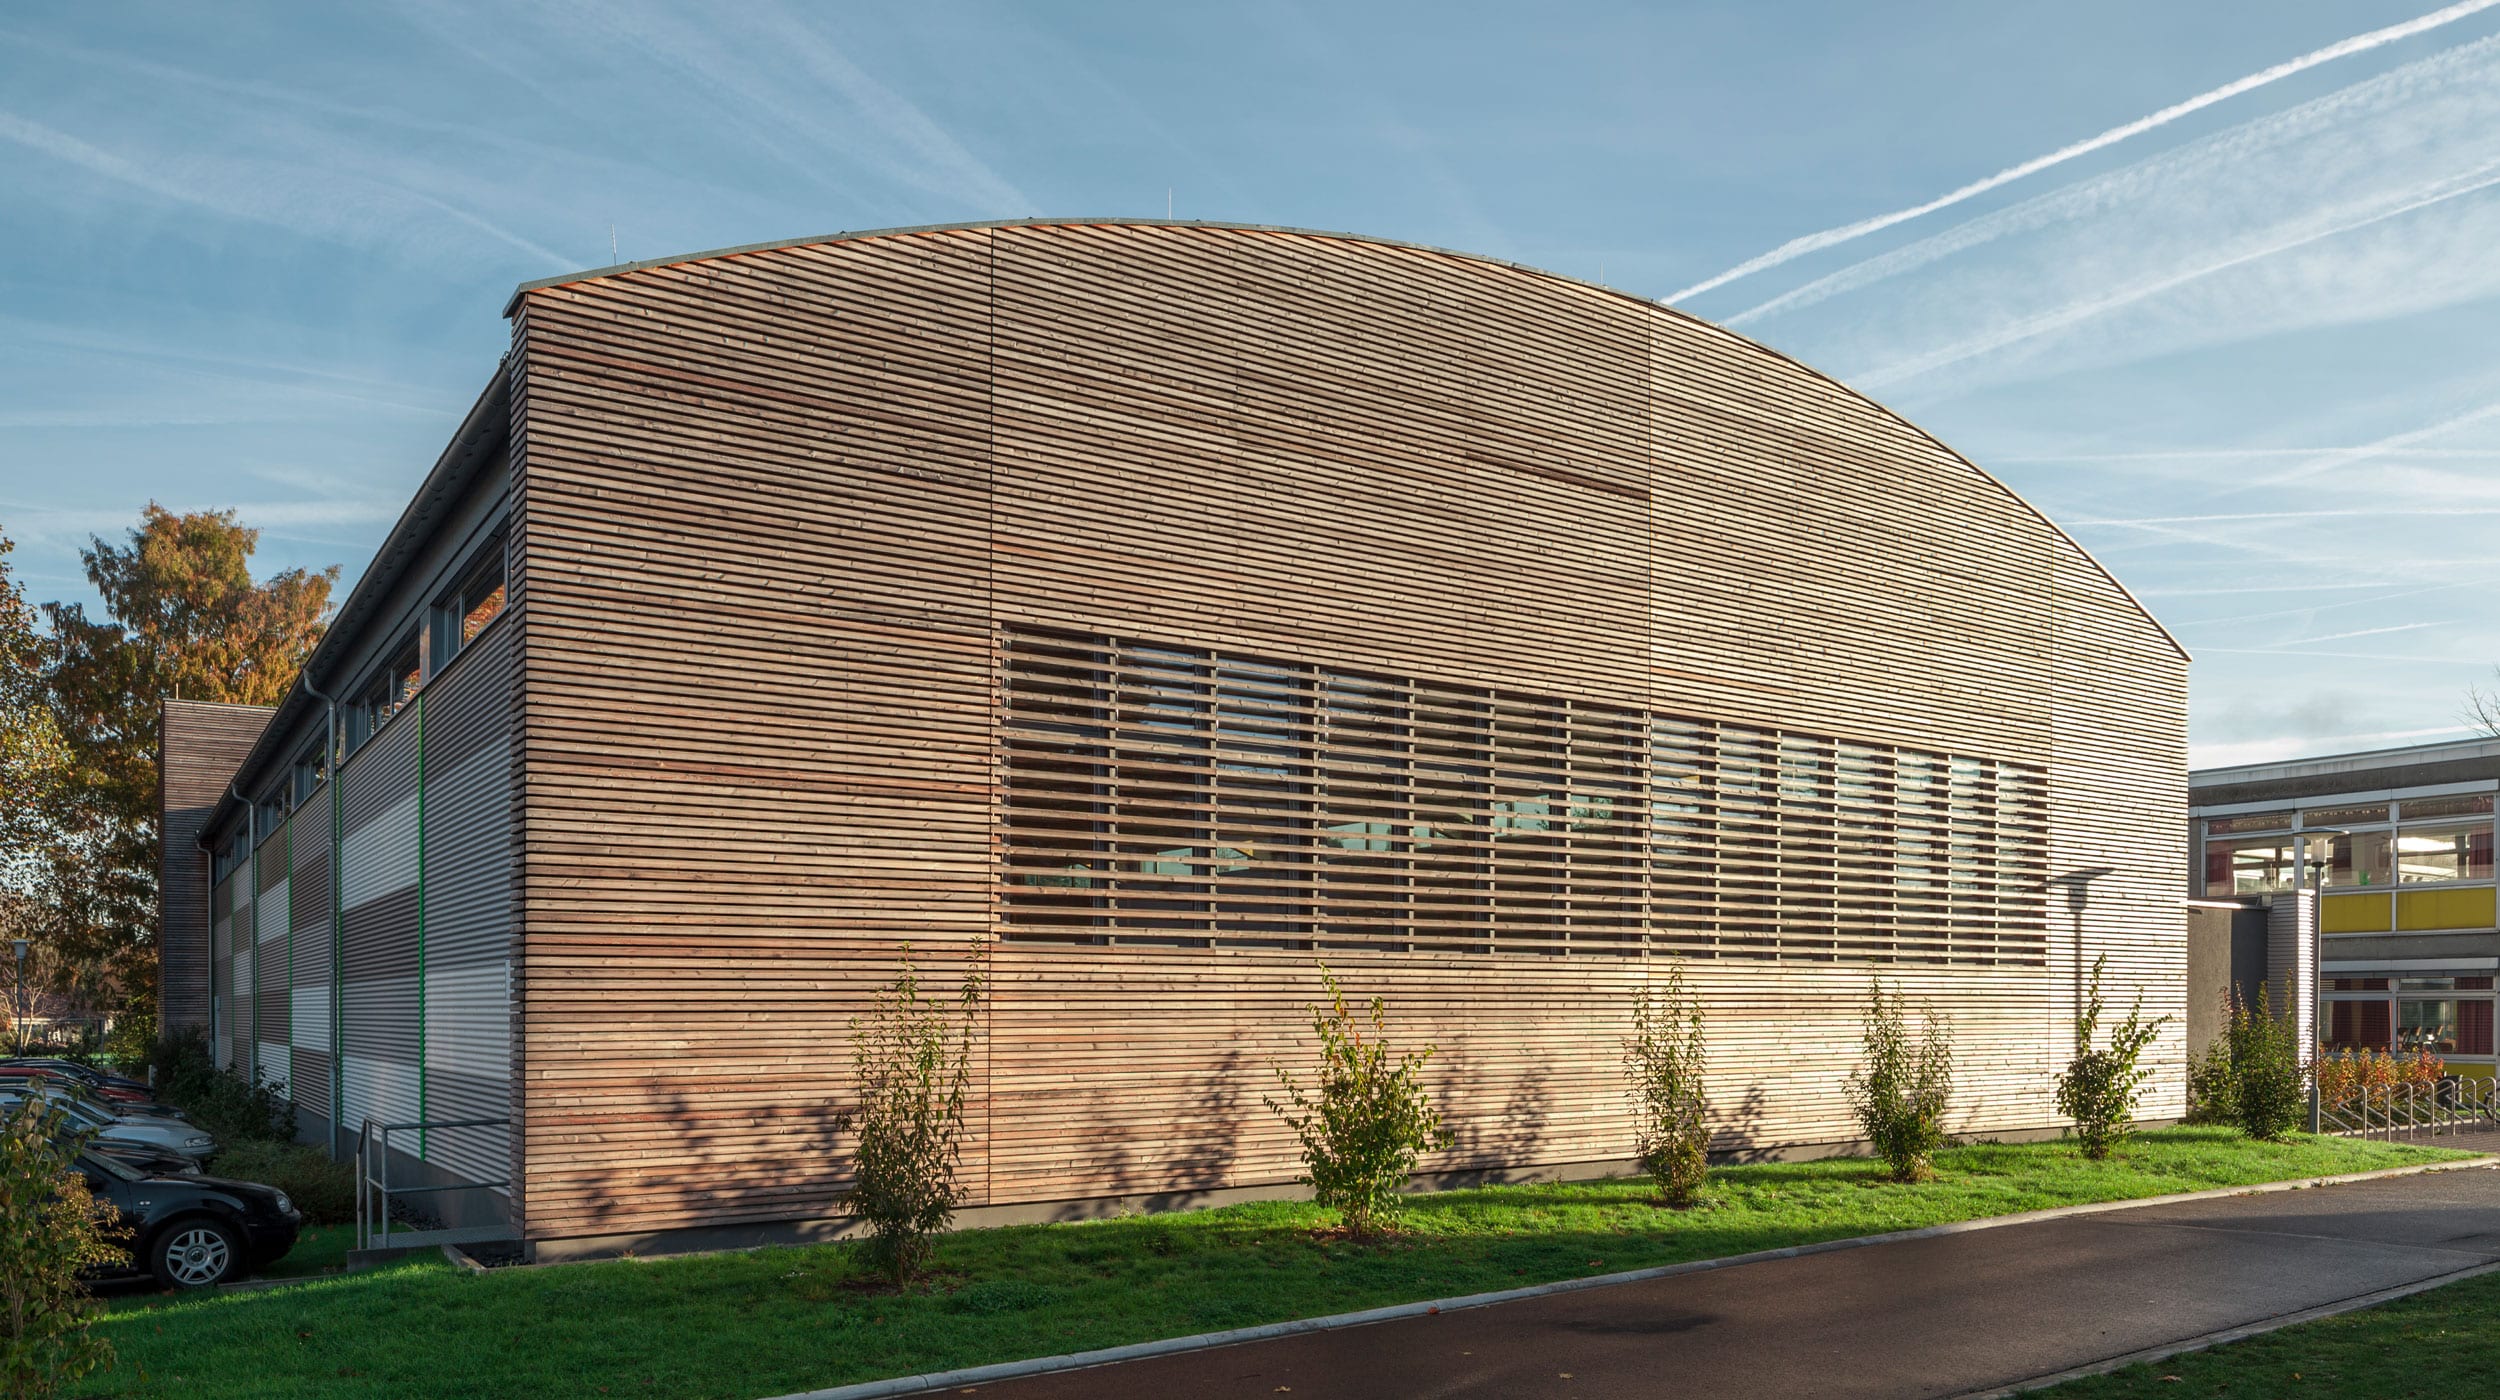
[(199, 745), (796, 531)]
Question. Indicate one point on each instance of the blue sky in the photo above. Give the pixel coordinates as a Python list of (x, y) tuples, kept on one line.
[(254, 255)]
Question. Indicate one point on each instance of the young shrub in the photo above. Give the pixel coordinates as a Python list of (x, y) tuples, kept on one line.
[(223, 1102), (323, 1189), (1664, 1061), (912, 1065), (1902, 1086), (1366, 1119), (2213, 1089), (2272, 1087), (51, 1230), (2099, 1088)]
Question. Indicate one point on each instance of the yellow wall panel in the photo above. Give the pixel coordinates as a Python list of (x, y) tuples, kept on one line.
[(2425, 909), (2354, 913)]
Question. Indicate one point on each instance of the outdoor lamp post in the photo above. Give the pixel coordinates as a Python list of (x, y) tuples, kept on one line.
[(2317, 958)]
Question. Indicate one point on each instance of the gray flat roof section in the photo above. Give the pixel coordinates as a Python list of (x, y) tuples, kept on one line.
[(2371, 770)]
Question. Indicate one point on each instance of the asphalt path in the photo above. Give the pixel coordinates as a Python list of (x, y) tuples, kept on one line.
[(1948, 1315)]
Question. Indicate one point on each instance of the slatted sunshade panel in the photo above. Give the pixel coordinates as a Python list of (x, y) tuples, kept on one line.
[(1167, 794)]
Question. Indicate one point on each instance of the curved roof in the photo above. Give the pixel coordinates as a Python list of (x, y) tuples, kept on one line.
[(862, 234)]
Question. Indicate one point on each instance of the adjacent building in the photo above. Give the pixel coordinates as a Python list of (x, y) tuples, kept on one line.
[(2382, 863), (1139, 616)]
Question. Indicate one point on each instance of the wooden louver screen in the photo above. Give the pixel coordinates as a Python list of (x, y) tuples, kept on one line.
[(1165, 794)]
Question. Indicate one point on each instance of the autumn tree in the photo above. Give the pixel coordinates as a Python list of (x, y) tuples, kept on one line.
[(33, 763), (183, 618)]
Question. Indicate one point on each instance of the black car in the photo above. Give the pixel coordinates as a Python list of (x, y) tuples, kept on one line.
[(191, 1232), (139, 1156)]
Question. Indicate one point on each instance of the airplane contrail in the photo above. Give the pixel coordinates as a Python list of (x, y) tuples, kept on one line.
[(1832, 237)]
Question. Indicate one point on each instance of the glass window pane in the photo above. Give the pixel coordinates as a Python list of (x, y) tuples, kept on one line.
[(2248, 866), (2449, 851), (2356, 1025), (2474, 1027), (2362, 858), (2426, 1025)]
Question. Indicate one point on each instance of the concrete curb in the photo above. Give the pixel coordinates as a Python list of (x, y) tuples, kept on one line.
[(2229, 1334), (1138, 1351)]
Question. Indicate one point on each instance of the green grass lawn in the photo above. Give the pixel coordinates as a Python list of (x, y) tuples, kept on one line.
[(2438, 1345), (770, 1321), (321, 1249)]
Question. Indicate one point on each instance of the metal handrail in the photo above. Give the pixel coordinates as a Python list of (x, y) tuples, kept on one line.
[(374, 1192)]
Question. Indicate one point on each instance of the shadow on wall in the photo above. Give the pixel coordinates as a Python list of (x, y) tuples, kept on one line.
[(1739, 1137), (2078, 887), (1204, 1143)]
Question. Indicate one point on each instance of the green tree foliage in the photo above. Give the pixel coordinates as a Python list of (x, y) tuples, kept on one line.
[(1366, 1120), (183, 618), (1902, 1085), (2099, 1087), (1664, 1062), (912, 1071), (2271, 1087), (51, 1230)]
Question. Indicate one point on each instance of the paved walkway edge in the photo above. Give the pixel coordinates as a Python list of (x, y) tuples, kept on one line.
[(2229, 1334), (1138, 1351)]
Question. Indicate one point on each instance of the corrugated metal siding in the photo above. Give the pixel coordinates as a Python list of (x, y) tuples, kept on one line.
[(468, 906), (313, 926), (245, 1010), (378, 1053), (425, 977), (234, 987), (219, 1010)]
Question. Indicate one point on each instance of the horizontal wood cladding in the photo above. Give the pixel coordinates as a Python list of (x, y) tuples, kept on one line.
[(783, 518), (199, 746), (758, 674)]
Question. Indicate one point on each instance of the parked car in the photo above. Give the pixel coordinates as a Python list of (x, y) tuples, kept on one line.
[(141, 1157), (96, 1078), (20, 1073), (190, 1232), (93, 1116)]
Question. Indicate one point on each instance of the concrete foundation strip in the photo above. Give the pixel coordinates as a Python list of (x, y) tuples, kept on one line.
[(1138, 1351)]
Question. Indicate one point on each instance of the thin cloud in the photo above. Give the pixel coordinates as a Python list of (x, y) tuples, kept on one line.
[(2224, 454), (2170, 280), (2313, 609), (1833, 237), (2481, 661), (2367, 203), (768, 72), (2232, 755), (331, 204), (2357, 513), (2285, 648), (2393, 442)]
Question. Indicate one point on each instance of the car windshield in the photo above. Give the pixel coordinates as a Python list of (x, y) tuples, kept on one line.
[(107, 1165), (71, 1108)]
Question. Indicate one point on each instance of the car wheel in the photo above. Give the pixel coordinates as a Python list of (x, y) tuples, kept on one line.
[(196, 1253)]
